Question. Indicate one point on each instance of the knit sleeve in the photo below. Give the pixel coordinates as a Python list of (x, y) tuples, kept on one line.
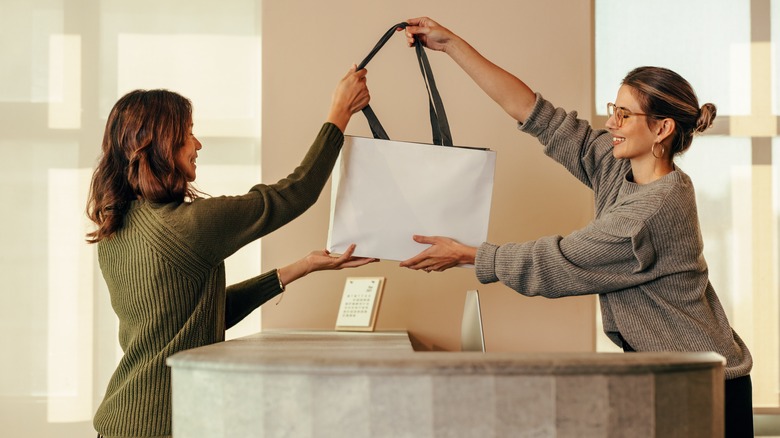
[(243, 298), (586, 153), (600, 258), (219, 226)]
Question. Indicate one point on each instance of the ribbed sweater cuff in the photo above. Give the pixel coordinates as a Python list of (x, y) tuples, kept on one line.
[(332, 134), (269, 286), (485, 263), (537, 119)]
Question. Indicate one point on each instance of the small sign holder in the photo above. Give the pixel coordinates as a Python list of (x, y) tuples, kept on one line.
[(360, 303)]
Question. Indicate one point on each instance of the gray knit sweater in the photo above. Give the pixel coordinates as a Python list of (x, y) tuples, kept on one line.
[(642, 253), (166, 274)]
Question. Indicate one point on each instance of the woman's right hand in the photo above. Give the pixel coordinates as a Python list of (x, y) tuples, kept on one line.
[(442, 254), (351, 95), (514, 96), (430, 33)]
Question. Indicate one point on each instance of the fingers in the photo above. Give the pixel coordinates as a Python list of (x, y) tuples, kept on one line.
[(347, 260), (428, 32), (441, 255), (354, 262), (418, 26), (348, 253), (351, 95), (354, 76), (413, 28), (363, 96), (416, 262), (359, 74), (412, 32), (419, 21), (340, 261), (361, 102)]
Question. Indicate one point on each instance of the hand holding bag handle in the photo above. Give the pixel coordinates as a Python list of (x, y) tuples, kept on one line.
[(440, 127)]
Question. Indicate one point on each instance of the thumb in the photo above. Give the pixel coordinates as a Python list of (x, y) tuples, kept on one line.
[(423, 239)]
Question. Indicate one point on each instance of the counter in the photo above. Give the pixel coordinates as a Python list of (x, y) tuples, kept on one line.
[(349, 384)]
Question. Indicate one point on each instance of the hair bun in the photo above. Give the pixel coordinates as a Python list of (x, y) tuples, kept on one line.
[(707, 115)]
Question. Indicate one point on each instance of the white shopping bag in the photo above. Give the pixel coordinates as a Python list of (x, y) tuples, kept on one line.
[(386, 191)]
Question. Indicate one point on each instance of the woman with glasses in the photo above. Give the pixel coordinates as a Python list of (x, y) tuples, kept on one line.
[(642, 254)]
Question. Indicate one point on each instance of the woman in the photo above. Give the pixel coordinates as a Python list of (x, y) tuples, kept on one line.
[(643, 251), (162, 248)]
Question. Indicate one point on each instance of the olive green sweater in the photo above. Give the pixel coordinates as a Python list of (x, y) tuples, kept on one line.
[(166, 274)]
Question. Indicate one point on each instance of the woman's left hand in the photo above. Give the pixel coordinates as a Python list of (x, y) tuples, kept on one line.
[(351, 95)]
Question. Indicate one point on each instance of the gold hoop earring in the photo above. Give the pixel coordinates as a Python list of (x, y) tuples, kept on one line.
[(663, 151)]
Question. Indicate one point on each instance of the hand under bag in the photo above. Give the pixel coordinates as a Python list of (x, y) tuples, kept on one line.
[(386, 191)]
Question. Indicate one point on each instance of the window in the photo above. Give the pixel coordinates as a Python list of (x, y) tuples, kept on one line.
[(67, 66)]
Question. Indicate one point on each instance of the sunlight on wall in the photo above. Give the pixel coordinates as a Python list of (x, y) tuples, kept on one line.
[(25, 27), (774, 29), (759, 121), (764, 309), (65, 82), (70, 299), (740, 235), (739, 83), (219, 73)]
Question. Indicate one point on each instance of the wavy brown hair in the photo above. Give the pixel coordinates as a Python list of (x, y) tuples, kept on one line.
[(663, 93), (144, 131)]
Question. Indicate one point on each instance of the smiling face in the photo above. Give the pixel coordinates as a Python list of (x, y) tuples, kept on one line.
[(187, 154), (633, 139)]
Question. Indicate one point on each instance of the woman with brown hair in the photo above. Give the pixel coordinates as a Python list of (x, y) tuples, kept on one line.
[(161, 246), (643, 252)]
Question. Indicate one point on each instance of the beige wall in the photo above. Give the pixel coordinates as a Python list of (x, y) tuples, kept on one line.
[(308, 46)]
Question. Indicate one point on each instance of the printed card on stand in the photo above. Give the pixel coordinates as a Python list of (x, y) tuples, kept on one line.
[(360, 303)]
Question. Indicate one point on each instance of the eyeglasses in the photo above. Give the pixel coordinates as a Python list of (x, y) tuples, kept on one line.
[(621, 113)]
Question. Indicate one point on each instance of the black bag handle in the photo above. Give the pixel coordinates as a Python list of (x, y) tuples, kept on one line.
[(440, 127)]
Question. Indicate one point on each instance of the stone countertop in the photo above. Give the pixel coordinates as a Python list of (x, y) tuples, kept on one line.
[(332, 352)]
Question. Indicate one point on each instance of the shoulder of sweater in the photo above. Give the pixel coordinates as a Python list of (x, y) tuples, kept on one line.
[(167, 215), (674, 184), (669, 195), (148, 227), (189, 216)]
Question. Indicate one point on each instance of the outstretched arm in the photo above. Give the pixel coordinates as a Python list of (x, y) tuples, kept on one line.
[(319, 261), (244, 297), (512, 94)]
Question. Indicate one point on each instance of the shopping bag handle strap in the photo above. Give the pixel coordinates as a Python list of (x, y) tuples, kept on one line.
[(440, 127), (439, 124)]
